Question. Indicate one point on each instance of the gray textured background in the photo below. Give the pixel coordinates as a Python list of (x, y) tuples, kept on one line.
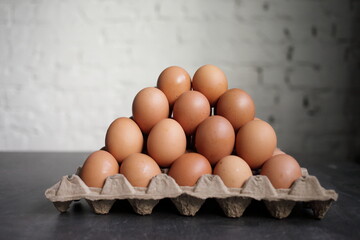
[(68, 68)]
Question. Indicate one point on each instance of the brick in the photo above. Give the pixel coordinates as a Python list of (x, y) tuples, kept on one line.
[(106, 56), (274, 77), (343, 28), (250, 10), (319, 54), (170, 9), (147, 10), (5, 13), (16, 78), (265, 101), (23, 13), (208, 10), (272, 32), (305, 77), (124, 32), (241, 77), (47, 13), (334, 78), (98, 13), (218, 32), (296, 10), (4, 47), (70, 14), (78, 77), (326, 77), (336, 8)]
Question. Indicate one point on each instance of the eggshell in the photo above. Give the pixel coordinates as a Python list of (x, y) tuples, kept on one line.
[(190, 109), (139, 169), (174, 81), (166, 142), (215, 138), (123, 138), (97, 167), (150, 106), (282, 170), (188, 168), (233, 171), (255, 142), (237, 106), (210, 81), (278, 151)]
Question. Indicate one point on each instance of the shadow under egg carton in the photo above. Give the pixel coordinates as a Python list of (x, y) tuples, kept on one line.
[(188, 200)]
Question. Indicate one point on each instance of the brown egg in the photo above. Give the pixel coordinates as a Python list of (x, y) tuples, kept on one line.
[(188, 168), (210, 81), (97, 167), (174, 81), (214, 138), (233, 171), (236, 106), (166, 142), (255, 142), (139, 169), (190, 109), (123, 138), (278, 151), (150, 106), (282, 170)]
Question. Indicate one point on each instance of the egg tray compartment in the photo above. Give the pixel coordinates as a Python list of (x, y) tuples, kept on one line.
[(188, 200)]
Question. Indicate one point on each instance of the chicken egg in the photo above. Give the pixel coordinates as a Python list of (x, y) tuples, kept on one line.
[(282, 170), (139, 169), (174, 81), (97, 167), (233, 171), (278, 151), (166, 142), (188, 168), (255, 142), (215, 138), (150, 106), (190, 109), (123, 138), (210, 81), (237, 106)]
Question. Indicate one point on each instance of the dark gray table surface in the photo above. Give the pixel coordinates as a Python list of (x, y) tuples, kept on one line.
[(26, 214)]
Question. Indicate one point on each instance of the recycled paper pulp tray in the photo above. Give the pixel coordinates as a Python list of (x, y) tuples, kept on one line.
[(188, 200)]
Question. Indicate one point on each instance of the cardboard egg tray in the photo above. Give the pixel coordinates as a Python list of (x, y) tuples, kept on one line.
[(188, 200)]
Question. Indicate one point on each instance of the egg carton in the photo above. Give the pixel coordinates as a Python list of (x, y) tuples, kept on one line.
[(188, 200)]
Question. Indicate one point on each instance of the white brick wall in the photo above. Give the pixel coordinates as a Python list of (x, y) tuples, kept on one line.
[(68, 68)]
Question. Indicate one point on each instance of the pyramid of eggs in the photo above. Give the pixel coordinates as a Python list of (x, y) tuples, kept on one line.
[(191, 139)]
